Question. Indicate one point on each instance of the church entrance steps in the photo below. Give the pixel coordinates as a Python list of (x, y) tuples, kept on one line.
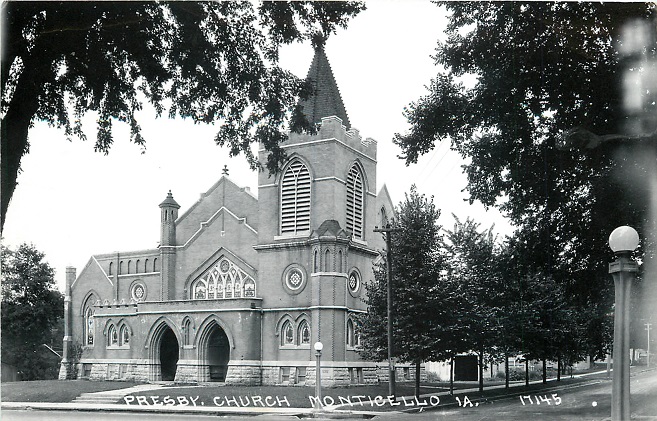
[(113, 396)]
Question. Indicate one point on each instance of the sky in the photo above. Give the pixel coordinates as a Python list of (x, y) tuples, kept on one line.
[(72, 202)]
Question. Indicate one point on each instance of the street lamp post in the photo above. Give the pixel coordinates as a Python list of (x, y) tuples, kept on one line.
[(318, 376), (623, 240)]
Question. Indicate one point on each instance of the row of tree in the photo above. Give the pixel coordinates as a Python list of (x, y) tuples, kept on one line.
[(461, 291)]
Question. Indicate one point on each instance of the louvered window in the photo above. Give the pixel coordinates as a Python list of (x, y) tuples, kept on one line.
[(295, 199), (355, 202)]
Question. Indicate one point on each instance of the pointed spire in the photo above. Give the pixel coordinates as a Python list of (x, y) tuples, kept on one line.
[(325, 100)]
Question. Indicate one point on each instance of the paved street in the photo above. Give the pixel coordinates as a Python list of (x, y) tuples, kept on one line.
[(583, 402)]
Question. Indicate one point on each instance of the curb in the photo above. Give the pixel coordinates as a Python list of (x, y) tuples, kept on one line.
[(199, 410)]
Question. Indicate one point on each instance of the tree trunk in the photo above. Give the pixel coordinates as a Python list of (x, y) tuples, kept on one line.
[(506, 369), (559, 368), (526, 371), (417, 379), (544, 370), (481, 370), (451, 376)]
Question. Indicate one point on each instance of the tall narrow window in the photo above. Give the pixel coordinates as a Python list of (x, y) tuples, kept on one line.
[(295, 199), (355, 202), (110, 267), (304, 333), (187, 335), (113, 336), (124, 336), (340, 261), (137, 266), (287, 334), (146, 269), (350, 333), (89, 331)]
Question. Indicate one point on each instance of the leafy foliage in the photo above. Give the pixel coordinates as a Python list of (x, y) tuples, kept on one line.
[(32, 310), (543, 69), (208, 61), (420, 300)]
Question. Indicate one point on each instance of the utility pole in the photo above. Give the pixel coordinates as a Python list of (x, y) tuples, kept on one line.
[(391, 364), (648, 327)]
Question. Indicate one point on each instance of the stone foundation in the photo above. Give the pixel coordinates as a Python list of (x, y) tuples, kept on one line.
[(68, 371), (247, 373)]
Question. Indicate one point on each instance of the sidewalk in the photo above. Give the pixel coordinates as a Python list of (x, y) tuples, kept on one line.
[(92, 401)]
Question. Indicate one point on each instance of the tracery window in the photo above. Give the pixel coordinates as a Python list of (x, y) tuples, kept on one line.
[(223, 280), (124, 336), (112, 336), (295, 199), (304, 333), (287, 333)]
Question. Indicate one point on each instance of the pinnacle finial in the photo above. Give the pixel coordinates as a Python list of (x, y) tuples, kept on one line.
[(224, 171)]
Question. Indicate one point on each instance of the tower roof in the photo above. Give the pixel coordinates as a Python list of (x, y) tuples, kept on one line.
[(325, 100), (170, 202)]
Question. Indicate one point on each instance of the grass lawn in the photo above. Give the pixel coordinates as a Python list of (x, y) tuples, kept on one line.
[(54, 390)]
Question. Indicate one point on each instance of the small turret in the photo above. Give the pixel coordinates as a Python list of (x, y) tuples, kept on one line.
[(169, 212)]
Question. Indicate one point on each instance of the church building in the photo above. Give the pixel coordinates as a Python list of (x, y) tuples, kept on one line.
[(241, 287)]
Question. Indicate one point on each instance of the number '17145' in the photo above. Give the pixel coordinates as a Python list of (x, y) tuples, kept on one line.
[(554, 399)]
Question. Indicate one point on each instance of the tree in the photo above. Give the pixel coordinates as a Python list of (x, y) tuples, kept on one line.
[(471, 264), (31, 311), (421, 302), (542, 69), (208, 61)]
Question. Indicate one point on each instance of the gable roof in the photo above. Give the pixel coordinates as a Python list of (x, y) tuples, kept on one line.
[(326, 100)]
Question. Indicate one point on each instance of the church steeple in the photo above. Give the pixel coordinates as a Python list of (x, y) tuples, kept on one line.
[(325, 100)]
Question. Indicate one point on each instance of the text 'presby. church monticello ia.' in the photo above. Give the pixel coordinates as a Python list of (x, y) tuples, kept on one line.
[(241, 286)]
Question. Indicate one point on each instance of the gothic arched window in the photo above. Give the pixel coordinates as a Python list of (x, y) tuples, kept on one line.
[(223, 280), (327, 261), (287, 333), (89, 331), (112, 336), (187, 334), (355, 202), (295, 199), (303, 335), (124, 336), (350, 333)]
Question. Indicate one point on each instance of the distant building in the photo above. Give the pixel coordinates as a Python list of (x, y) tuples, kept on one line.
[(241, 287)]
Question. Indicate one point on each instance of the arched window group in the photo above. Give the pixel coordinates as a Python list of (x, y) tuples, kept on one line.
[(147, 266), (223, 280), (298, 335), (355, 202), (295, 199), (118, 336), (187, 331)]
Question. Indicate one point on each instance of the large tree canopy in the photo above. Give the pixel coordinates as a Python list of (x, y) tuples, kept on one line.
[(208, 61), (31, 310), (544, 72)]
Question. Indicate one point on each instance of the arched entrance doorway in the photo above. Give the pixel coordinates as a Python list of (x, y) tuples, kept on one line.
[(218, 354), (168, 354)]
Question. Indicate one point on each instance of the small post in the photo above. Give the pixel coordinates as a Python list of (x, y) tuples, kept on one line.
[(318, 376)]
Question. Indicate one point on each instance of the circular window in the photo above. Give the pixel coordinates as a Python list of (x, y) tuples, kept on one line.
[(224, 266), (353, 283), (294, 279), (138, 292)]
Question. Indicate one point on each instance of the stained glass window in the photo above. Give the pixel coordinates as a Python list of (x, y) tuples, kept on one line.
[(224, 280)]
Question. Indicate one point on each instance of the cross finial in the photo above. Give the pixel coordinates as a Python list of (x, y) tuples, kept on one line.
[(225, 171)]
